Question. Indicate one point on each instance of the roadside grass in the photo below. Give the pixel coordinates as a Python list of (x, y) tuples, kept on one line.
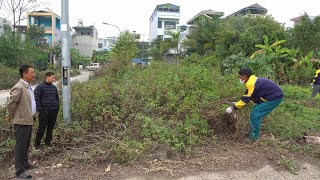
[(123, 117)]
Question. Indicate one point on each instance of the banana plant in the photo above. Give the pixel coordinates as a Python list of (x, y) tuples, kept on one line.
[(268, 49), (306, 60)]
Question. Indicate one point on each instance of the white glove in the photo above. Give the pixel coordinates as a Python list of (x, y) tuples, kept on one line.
[(311, 84), (229, 110)]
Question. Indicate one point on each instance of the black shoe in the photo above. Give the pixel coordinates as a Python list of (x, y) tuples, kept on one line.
[(30, 166), (23, 175)]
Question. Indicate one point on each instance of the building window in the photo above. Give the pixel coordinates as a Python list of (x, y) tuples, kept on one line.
[(160, 37), (159, 24), (160, 9), (171, 10), (99, 45), (177, 10), (165, 9), (169, 25)]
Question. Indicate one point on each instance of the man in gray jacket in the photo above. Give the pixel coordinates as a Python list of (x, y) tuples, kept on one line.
[(22, 108)]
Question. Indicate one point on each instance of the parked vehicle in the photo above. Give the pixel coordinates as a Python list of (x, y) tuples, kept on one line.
[(93, 66)]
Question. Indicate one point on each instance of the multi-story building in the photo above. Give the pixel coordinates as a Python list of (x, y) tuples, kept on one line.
[(3, 22), (108, 42), (100, 44), (86, 40), (253, 10), (164, 18), (51, 23)]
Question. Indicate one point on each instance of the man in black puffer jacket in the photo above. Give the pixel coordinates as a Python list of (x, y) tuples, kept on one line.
[(47, 102)]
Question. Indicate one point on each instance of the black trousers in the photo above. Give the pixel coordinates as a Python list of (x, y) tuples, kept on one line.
[(47, 121), (23, 138)]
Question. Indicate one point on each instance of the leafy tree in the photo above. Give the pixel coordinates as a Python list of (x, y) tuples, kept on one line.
[(15, 50), (35, 35), (100, 56), (11, 48), (203, 36), (18, 9), (305, 34), (157, 50), (241, 34), (159, 47), (123, 51), (233, 35)]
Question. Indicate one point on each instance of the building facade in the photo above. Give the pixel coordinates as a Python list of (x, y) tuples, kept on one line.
[(108, 42), (86, 40), (164, 18), (51, 23)]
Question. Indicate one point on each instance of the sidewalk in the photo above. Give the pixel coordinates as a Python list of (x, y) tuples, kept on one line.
[(82, 77), (307, 172)]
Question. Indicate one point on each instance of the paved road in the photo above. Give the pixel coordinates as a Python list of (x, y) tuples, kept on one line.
[(307, 172), (84, 76)]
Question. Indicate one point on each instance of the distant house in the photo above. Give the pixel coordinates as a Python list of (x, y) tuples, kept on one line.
[(86, 40), (108, 42), (206, 13), (51, 23), (164, 18), (22, 29), (253, 10)]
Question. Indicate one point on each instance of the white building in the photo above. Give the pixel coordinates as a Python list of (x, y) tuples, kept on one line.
[(3, 22), (108, 42), (86, 40), (164, 18)]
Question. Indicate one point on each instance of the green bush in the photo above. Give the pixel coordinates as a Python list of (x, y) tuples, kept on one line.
[(9, 77), (161, 102)]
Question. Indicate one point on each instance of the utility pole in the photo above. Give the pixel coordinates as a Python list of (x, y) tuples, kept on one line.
[(66, 88)]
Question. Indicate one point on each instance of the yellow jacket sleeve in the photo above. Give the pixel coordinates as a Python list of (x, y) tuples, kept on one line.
[(245, 99)]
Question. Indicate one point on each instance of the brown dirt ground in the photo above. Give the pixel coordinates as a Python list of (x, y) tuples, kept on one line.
[(224, 152)]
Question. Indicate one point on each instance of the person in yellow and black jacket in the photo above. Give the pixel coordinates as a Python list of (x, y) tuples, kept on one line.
[(316, 83), (264, 92)]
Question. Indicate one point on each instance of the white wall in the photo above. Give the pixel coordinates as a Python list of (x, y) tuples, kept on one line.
[(154, 31), (85, 44)]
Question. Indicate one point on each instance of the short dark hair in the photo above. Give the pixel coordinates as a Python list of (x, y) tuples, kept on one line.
[(245, 71), (49, 73), (24, 69)]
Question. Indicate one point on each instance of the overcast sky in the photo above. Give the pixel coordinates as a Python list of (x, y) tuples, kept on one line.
[(134, 14)]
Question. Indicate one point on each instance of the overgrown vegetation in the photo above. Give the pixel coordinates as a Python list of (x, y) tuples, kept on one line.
[(124, 112)]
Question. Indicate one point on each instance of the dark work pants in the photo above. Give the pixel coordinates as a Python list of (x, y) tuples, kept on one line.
[(23, 138), (315, 90), (47, 121)]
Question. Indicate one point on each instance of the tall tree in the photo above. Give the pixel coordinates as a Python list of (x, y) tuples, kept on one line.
[(306, 34), (123, 52), (18, 9)]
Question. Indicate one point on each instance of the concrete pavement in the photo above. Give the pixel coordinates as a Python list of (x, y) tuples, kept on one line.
[(307, 172), (82, 77)]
